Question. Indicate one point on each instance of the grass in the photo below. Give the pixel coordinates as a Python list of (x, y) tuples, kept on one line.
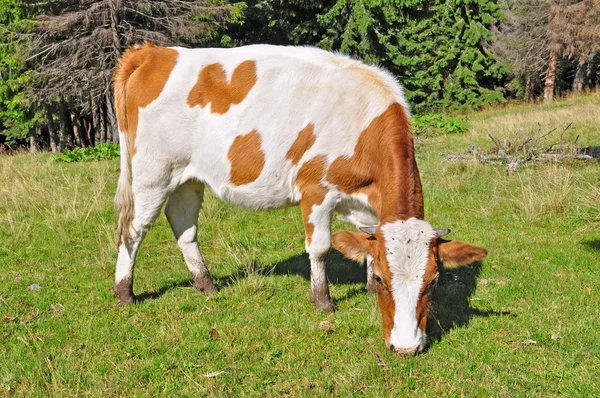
[(523, 323)]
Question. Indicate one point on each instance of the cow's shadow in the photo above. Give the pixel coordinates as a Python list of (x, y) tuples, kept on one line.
[(450, 306), (593, 244), (340, 271)]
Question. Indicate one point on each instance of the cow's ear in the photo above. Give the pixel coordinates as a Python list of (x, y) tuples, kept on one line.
[(353, 245), (456, 254)]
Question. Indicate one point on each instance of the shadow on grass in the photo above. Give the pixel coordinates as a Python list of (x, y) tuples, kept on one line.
[(593, 244), (140, 298), (339, 271), (450, 306)]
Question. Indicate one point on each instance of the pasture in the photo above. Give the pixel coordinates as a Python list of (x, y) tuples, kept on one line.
[(523, 322)]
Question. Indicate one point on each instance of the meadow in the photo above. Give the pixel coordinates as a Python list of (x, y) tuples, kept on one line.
[(524, 322)]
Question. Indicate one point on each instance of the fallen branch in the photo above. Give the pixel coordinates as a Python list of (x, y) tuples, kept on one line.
[(525, 149)]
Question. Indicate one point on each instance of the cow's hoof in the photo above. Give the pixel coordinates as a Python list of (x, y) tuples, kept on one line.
[(124, 292), (126, 300), (325, 306), (371, 287), (204, 284)]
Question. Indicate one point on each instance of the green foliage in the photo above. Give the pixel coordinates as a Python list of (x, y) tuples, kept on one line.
[(436, 48), (102, 151), (437, 123), (215, 32), (17, 112)]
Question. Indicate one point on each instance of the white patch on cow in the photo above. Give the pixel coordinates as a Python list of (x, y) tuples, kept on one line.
[(356, 210), (320, 217), (295, 86), (407, 252)]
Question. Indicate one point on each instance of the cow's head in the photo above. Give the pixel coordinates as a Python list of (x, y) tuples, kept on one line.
[(405, 254)]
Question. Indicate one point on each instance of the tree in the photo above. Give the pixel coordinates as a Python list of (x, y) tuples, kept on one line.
[(77, 45), (556, 40), (18, 117), (438, 50)]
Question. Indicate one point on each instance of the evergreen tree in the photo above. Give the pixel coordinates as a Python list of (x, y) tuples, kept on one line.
[(17, 112), (438, 49)]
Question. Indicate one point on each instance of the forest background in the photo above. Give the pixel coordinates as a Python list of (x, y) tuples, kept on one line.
[(57, 57)]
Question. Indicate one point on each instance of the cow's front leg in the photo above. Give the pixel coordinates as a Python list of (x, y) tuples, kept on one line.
[(317, 226), (370, 286)]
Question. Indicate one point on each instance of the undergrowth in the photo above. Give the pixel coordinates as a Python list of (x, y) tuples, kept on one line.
[(103, 151)]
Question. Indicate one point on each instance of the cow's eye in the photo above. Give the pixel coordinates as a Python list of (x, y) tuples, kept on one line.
[(378, 279)]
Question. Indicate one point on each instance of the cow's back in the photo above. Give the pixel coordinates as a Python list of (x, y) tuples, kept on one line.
[(246, 120)]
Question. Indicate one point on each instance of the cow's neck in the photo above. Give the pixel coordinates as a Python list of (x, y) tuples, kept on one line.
[(401, 193), (383, 167)]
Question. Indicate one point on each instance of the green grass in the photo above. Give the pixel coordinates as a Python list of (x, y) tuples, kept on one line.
[(524, 323)]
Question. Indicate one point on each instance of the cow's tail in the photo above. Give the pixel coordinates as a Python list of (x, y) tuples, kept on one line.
[(124, 203), (124, 195)]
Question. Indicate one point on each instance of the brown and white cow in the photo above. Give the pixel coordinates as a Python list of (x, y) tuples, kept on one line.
[(267, 127)]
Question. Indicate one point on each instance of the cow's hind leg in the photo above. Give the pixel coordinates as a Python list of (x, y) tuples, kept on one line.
[(182, 211), (317, 225), (148, 200)]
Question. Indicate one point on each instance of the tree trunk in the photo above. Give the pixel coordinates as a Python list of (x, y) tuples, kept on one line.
[(114, 7), (66, 128), (550, 78), (95, 120), (76, 129), (79, 129), (111, 118), (32, 138), (54, 144), (528, 89), (579, 73), (103, 124), (88, 128)]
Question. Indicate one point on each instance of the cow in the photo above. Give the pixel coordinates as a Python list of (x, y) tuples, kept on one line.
[(268, 127)]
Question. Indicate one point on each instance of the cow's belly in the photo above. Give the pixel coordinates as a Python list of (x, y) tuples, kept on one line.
[(269, 191), (256, 198)]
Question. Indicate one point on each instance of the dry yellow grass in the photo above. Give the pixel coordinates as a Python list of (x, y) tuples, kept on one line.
[(581, 113)]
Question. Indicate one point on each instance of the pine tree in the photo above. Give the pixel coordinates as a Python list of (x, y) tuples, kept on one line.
[(18, 117), (437, 49)]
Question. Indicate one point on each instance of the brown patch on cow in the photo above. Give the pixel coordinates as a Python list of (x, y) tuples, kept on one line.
[(387, 306), (353, 245), (431, 273), (139, 79), (124, 291), (246, 157), (305, 140), (313, 193), (455, 254), (212, 86), (383, 167)]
